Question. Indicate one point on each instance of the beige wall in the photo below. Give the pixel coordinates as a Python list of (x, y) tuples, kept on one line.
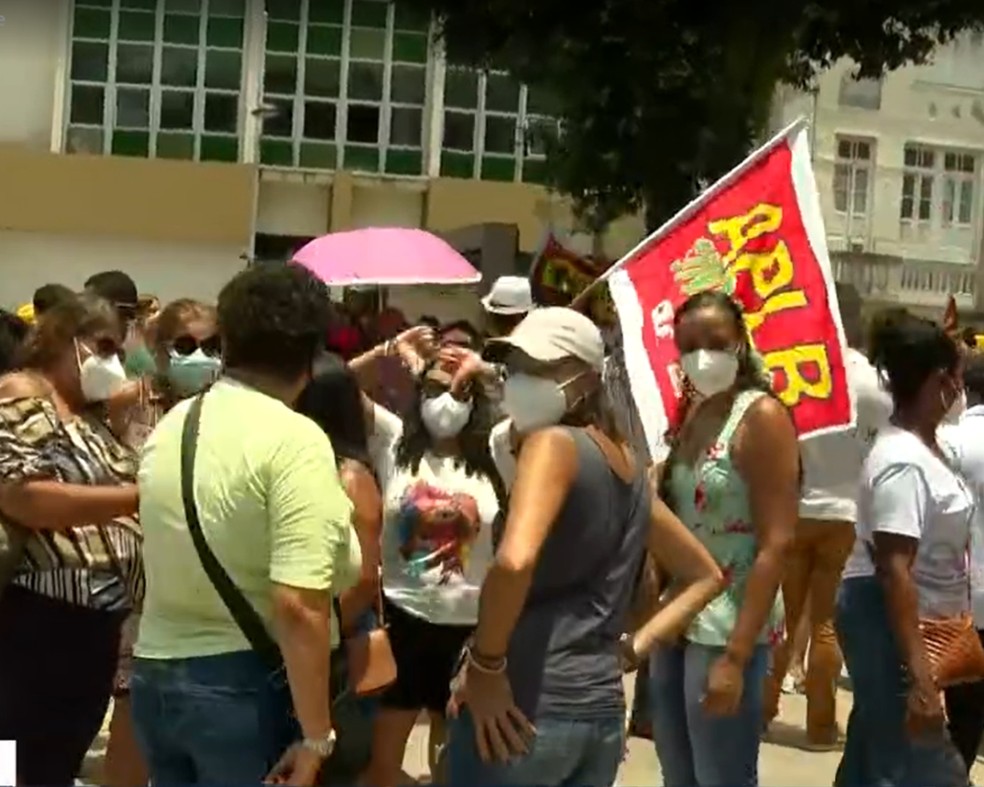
[(115, 196)]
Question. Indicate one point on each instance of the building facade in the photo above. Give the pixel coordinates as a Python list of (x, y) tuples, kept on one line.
[(900, 169), (177, 139)]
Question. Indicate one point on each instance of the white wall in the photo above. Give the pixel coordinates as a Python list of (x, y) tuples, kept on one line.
[(28, 260), (293, 208), (940, 105), (32, 43)]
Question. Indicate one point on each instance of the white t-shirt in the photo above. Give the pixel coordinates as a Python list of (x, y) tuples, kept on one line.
[(832, 462), (966, 440), (907, 489), (437, 530)]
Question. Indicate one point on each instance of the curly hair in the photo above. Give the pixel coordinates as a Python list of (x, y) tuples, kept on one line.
[(273, 319), (475, 457), (174, 316)]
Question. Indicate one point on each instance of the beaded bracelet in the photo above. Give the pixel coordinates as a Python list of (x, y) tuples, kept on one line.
[(502, 663)]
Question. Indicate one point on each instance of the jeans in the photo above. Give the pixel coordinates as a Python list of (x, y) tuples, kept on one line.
[(878, 750), (211, 720), (695, 748), (814, 570), (579, 753)]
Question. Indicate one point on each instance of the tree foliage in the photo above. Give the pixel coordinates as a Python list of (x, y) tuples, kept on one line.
[(657, 97)]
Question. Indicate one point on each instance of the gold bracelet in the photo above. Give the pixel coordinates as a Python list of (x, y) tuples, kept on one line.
[(486, 670)]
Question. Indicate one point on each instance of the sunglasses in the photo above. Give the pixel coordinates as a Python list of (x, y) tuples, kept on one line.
[(186, 345)]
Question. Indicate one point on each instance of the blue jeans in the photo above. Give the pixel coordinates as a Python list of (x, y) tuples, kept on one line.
[(878, 751), (580, 753), (210, 720), (695, 748)]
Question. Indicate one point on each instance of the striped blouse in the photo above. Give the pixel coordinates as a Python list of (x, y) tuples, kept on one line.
[(95, 565)]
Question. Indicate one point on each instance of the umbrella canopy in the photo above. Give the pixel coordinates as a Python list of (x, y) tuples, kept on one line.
[(385, 256)]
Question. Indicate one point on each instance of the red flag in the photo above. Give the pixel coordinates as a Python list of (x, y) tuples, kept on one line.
[(757, 234)]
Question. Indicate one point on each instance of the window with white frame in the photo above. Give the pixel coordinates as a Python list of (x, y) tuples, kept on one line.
[(939, 197), (349, 81), (493, 126), (853, 176), (917, 184), (156, 78)]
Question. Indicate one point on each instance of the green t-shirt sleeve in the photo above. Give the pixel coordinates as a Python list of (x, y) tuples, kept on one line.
[(309, 513)]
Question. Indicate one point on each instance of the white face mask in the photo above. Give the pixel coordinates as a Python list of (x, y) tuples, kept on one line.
[(99, 377), (533, 402), (444, 416), (711, 371)]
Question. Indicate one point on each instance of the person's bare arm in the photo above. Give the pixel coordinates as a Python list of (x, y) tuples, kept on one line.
[(546, 469), (53, 505), (367, 519), (893, 555), (767, 456), (302, 625), (696, 576), (120, 406)]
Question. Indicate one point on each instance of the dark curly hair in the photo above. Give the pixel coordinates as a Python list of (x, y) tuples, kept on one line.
[(908, 349), (475, 458), (273, 319)]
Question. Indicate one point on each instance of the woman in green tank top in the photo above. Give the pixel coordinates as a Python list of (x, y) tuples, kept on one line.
[(733, 478)]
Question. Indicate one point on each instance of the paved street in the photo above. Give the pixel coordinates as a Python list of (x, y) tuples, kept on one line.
[(783, 763)]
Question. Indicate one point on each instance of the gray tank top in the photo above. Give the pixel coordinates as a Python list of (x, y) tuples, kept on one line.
[(563, 655)]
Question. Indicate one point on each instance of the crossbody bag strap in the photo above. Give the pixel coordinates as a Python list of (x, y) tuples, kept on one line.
[(241, 610)]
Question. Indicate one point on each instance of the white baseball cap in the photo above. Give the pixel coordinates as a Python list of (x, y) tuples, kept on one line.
[(509, 295), (551, 334)]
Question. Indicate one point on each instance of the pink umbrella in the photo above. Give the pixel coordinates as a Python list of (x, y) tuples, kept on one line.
[(385, 256)]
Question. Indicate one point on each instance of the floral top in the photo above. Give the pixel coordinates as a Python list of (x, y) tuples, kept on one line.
[(711, 498)]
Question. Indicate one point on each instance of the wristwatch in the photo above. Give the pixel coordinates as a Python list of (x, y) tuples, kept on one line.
[(323, 746)]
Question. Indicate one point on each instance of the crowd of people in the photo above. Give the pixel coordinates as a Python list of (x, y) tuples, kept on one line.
[(275, 531)]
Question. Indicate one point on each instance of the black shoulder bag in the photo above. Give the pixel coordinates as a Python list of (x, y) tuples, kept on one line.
[(248, 620)]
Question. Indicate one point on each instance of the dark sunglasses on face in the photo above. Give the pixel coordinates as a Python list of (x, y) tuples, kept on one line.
[(186, 345)]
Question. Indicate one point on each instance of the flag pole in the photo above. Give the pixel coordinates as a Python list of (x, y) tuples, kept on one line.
[(693, 207)]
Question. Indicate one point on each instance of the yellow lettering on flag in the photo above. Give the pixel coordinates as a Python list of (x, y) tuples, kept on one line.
[(792, 362), (739, 230)]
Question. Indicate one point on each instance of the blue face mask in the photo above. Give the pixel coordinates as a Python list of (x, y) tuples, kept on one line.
[(189, 374)]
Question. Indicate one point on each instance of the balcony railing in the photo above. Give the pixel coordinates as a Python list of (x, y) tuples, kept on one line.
[(906, 282)]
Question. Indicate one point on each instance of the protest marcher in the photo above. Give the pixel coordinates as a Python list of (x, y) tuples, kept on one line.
[(247, 540), (334, 402), (825, 535), (441, 497), (68, 497), (506, 304), (908, 565), (186, 354), (732, 477), (965, 703), (538, 698)]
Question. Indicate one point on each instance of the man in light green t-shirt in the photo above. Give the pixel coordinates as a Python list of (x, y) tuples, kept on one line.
[(273, 512)]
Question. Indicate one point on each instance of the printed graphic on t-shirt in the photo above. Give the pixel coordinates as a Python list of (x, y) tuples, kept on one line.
[(436, 531)]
